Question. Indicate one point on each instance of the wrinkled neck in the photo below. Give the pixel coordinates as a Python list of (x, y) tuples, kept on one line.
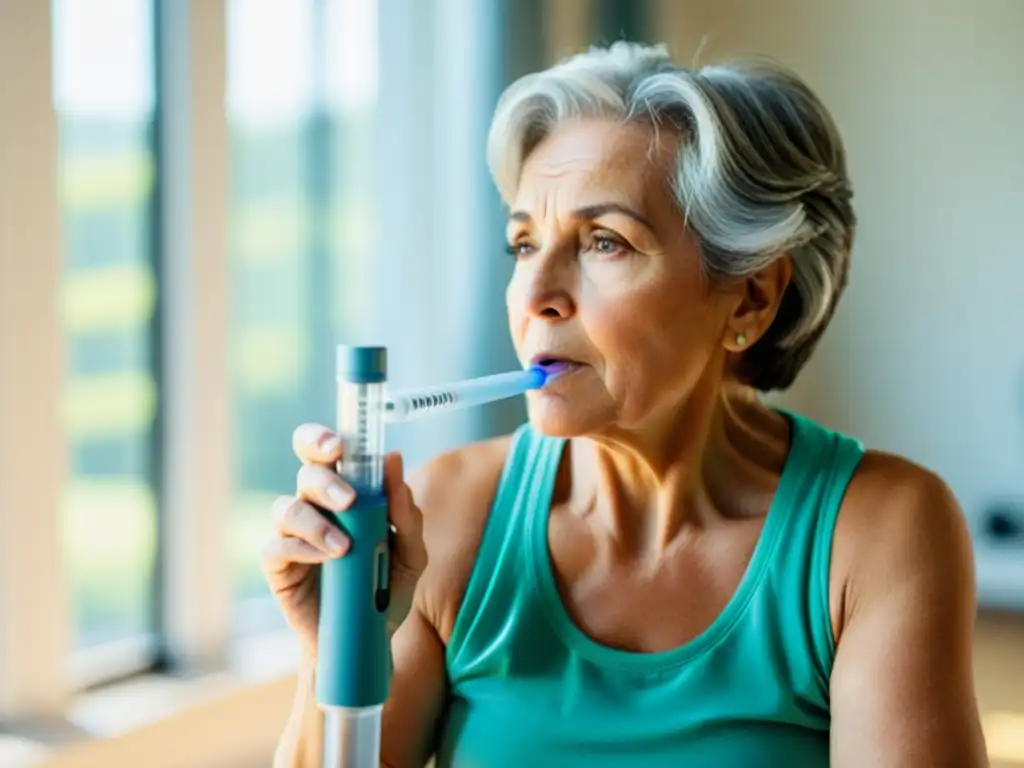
[(717, 455)]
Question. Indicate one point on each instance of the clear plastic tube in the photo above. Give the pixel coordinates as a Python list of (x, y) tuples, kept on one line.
[(404, 406), (352, 737), (361, 431)]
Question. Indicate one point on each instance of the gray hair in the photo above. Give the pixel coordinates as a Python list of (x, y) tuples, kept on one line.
[(761, 172)]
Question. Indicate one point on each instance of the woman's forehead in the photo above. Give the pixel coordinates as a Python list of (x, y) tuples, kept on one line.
[(597, 158)]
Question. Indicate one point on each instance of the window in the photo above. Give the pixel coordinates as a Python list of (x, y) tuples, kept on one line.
[(301, 93), (104, 99), (140, 100)]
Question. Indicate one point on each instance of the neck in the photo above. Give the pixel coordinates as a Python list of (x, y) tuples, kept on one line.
[(718, 455)]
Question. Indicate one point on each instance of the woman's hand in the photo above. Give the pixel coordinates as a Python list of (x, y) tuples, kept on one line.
[(304, 537)]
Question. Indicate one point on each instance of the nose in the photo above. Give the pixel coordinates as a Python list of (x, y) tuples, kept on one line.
[(549, 290)]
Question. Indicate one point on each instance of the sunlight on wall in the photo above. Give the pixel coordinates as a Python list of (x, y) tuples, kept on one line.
[(1004, 732)]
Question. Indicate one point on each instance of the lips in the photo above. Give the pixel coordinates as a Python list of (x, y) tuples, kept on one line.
[(550, 361), (555, 366)]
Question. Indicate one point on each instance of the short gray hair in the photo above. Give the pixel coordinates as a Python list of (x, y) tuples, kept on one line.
[(761, 172)]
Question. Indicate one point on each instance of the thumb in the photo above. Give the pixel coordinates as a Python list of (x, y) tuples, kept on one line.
[(400, 503), (394, 474)]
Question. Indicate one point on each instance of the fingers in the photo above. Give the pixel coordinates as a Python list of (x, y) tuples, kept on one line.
[(316, 444), (322, 486), (280, 553), (296, 518)]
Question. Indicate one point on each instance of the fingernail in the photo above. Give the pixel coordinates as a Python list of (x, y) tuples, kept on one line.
[(339, 495), (330, 444), (336, 542)]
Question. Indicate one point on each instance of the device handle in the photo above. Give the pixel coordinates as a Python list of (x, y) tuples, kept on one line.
[(353, 646)]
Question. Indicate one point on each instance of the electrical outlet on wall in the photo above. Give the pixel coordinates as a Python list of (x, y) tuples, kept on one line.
[(999, 554), (1002, 525)]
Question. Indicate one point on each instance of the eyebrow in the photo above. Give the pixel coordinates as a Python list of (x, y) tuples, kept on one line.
[(591, 212)]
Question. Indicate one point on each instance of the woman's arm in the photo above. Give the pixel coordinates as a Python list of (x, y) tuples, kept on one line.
[(902, 684), (413, 711), (300, 743)]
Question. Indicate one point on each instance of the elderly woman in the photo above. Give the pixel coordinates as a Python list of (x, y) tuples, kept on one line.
[(659, 568)]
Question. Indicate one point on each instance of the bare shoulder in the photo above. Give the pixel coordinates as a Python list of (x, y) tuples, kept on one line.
[(902, 685), (900, 527), (454, 491)]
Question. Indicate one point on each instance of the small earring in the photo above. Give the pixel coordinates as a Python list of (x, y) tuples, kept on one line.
[(741, 339)]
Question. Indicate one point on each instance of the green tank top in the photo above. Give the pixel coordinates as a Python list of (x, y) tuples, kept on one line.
[(527, 687)]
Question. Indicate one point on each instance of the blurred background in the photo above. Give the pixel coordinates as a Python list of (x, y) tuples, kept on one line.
[(200, 198)]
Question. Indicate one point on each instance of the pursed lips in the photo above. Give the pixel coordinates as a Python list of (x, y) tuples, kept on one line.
[(548, 359), (556, 366)]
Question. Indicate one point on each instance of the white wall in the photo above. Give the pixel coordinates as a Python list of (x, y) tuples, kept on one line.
[(926, 354)]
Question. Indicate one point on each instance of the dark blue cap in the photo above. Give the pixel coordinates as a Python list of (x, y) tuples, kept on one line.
[(362, 365)]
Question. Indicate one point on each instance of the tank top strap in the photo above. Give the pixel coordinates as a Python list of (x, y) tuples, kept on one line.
[(501, 569), (825, 461)]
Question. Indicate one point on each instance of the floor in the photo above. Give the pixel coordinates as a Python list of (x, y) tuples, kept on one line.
[(999, 674)]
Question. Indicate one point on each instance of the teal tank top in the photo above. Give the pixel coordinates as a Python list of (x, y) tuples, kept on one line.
[(527, 687)]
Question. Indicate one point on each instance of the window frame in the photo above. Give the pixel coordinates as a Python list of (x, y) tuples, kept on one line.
[(451, 99), (190, 461), (194, 488), (34, 621)]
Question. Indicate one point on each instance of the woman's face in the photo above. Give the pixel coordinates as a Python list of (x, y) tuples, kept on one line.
[(608, 277)]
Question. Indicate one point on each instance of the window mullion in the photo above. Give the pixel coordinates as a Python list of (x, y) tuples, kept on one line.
[(195, 421)]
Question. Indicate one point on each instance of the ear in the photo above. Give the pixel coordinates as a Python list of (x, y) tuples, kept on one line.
[(760, 297)]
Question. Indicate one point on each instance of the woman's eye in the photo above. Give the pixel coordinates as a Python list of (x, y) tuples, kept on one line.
[(519, 249), (606, 245)]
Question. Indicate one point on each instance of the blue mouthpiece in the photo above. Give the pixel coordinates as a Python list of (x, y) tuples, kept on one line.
[(538, 377), (549, 372)]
